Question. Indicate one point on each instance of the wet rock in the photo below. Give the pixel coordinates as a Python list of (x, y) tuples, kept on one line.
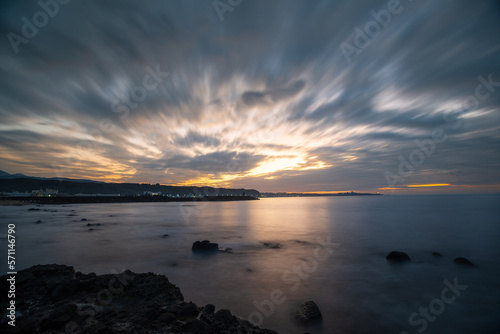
[(83, 219), (33, 209), (396, 256), (59, 317), (309, 311), (223, 315), (190, 309), (208, 309), (38, 222), (166, 317), (165, 236), (200, 327), (437, 254), (273, 245), (112, 303), (204, 246), (91, 229), (66, 288), (462, 261)]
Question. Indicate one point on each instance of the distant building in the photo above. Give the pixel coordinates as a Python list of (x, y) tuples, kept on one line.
[(47, 192)]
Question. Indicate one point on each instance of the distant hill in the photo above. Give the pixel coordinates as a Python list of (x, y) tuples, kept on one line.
[(4, 175), (12, 183)]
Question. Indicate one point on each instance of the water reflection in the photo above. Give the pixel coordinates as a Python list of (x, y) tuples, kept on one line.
[(356, 289)]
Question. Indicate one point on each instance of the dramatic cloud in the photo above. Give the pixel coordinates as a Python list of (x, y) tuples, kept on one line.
[(279, 96)]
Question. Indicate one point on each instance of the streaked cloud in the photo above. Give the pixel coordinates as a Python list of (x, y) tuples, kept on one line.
[(264, 99)]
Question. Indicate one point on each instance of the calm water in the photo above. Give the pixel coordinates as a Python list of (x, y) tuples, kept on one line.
[(354, 286)]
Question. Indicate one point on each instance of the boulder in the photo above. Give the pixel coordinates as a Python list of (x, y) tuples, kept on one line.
[(204, 246), (463, 262), (309, 311), (396, 256), (273, 245), (223, 315), (52, 296)]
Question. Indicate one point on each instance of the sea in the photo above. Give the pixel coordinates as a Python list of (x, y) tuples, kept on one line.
[(277, 253)]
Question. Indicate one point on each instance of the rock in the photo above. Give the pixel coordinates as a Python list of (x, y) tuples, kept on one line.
[(208, 309), (59, 317), (204, 246), (223, 315), (200, 327), (396, 256), (166, 317), (190, 309), (38, 222), (165, 236), (273, 245), (67, 288), (33, 209), (309, 311), (91, 229), (436, 254), (113, 303), (83, 219), (463, 262)]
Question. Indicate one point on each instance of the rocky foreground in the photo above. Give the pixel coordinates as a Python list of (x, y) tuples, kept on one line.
[(56, 299)]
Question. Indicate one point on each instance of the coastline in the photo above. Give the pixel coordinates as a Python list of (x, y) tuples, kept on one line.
[(116, 199), (54, 298)]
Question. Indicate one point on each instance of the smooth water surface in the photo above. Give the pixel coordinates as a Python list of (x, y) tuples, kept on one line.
[(357, 290)]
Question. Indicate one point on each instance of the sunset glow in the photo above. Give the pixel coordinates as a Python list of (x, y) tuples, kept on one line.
[(187, 99)]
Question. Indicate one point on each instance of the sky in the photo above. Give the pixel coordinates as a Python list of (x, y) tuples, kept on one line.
[(397, 97)]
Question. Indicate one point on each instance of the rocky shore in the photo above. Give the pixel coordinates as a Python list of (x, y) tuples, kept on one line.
[(56, 299)]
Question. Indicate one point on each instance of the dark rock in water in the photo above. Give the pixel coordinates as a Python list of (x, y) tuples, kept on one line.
[(204, 246), (396, 256), (33, 209), (274, 245), (165, 236), (38, 222), (91, 229), (437, 254), (83, 219), (55, 299), (309, 311), (463, 262)]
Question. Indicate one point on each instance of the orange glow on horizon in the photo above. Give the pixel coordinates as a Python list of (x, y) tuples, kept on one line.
[(429, 185)]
